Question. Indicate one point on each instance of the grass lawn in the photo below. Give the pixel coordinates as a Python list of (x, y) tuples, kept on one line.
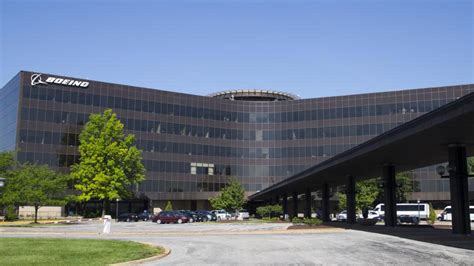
[(31, 225), (52, 251)]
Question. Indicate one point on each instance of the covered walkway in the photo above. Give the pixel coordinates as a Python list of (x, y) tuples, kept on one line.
[(443, 135)]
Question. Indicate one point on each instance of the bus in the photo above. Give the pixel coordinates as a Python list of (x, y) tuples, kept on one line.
[(421, 210), (446, 215)]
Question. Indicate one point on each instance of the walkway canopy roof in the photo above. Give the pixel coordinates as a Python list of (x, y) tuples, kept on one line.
[(418, 143)]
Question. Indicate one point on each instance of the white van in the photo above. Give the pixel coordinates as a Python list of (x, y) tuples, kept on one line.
[(446, 215), (411, 209)]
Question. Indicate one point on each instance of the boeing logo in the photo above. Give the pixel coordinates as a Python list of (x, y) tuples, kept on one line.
[(36, 80)]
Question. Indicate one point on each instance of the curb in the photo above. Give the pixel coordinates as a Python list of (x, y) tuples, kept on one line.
[(166, 252)]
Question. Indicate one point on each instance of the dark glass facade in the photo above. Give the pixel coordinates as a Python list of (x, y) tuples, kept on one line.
[(192, 144)]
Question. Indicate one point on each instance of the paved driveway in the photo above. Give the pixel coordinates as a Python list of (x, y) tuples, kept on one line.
[(249, 244)]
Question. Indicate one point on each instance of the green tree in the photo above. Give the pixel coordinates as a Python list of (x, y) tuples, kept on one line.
[(231, 198), (432, 217), (109, 162), (367, 192), (169, 206), (470, 165), (405, 186), (7, 161), (36, 185)]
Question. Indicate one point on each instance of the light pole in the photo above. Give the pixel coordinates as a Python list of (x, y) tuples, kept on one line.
[(418, 201), (2, 184), (116, 208)]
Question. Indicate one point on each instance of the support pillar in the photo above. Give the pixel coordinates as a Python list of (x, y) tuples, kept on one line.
[(351, 199), (285, 206), (458, 183), (295, 204), (390, 186), (325, 202), (307, 197)]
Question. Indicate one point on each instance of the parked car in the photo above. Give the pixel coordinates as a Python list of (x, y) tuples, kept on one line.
[(128, 217), (342, 216), (192, 216), (244, 214), (170, 217), (144, 216), (221, 214), (370, 215), (208, 216), (446, 215)]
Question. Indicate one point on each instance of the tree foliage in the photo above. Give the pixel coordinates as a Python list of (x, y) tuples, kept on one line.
[(231, 198), (470, 165), (169, 206), (36, 185), (7, 161), (109, 162), (369, 192)]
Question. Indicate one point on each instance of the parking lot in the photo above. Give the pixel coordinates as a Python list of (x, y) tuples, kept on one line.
[(261, 243)]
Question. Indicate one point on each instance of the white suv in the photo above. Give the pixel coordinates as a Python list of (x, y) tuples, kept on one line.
[(221, 214), (244, 214)]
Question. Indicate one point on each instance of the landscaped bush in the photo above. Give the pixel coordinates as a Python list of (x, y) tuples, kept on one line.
[(10, 213), (312, 221), (92, 214), (270, 211), (273, 219), (432, 217), (297, 220)]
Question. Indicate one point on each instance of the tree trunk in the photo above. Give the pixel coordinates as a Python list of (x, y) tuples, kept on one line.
[(36, 213)]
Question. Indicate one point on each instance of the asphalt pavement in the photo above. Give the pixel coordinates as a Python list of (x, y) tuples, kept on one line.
[(263, 244)]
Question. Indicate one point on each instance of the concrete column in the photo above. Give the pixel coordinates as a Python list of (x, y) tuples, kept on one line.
[(295, 204), (390, 186), (307, 197), (285, 205), (458, 183), (351, 199), (325, 202)]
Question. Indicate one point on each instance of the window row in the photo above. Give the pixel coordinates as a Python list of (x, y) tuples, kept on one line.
[(189, 186), (66, 160), (58, 95), (157, 127), (55, 138)]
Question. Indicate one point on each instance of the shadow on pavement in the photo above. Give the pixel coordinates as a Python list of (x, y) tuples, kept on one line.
[(426, 233)]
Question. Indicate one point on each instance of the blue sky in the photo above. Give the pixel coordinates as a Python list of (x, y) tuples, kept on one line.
[(309, 48)]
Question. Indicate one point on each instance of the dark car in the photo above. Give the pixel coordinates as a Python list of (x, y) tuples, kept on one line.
[(207, 215), (192, 216), (128, 217), (170, 217), (144, 216)]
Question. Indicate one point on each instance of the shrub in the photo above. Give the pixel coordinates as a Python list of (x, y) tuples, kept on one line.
[(432, 217), (92, 214), (169, 206), (269, 210), (297, 220), (312, 221), (10, 213), (273, 219)]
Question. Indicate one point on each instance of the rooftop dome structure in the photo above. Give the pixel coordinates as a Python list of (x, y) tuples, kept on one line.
[(254, 95)]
